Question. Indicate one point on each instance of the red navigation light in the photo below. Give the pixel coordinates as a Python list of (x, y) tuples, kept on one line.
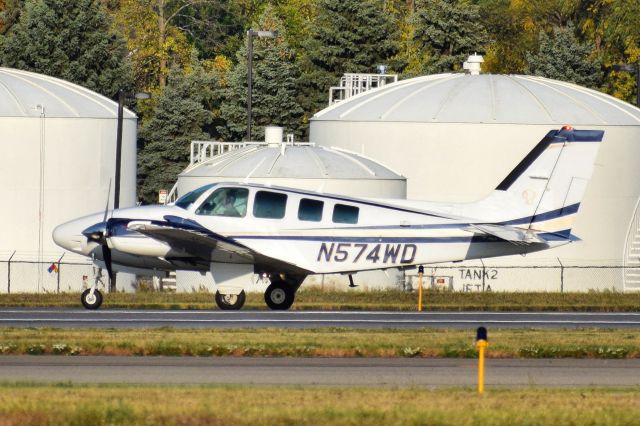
[(567, 127)]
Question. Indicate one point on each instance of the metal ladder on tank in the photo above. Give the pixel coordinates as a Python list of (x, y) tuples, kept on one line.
[(632, 254)]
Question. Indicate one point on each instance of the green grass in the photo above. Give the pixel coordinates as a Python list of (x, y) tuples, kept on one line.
[(314, 298), (66, 404), (322, 342)]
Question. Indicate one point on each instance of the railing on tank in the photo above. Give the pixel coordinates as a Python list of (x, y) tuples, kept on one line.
[(205, 150), (352, 84), (202, 151)]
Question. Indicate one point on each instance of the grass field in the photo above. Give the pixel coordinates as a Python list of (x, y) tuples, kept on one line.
[(335, 342), (65, 404), (314, 298)]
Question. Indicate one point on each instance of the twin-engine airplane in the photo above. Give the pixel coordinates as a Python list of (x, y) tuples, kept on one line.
[(232, 229)]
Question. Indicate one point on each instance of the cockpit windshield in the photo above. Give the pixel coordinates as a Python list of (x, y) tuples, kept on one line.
[(190, 197)]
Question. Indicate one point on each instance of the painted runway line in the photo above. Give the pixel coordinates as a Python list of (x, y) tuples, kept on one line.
[(311, 319)]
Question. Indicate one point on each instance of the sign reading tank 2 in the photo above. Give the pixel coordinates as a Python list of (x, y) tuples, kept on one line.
[(235, 230)]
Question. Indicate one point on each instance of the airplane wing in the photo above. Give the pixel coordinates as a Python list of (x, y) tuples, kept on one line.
[(200, 244), (189, 237), (511, 234)]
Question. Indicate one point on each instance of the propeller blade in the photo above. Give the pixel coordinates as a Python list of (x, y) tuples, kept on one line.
[(106, 255), (106, 208)]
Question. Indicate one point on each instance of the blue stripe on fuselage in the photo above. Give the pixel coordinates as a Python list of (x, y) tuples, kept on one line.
[(557, 236)]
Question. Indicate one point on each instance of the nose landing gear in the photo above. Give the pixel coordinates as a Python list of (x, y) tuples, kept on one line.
[(91, 298)]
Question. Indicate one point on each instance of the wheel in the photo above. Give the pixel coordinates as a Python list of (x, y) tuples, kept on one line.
[(230, 302), (91, 301), (279, 296)]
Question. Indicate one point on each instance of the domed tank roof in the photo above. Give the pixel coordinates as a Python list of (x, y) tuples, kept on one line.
[(291, 161), (25, 94), (485, 98)]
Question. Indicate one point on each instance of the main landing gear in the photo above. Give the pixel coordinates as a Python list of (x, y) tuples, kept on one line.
[(230, 302), (279, 296), (281, 293)]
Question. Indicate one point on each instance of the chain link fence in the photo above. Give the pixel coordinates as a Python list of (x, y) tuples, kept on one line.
[(560, 278), (22, 276)]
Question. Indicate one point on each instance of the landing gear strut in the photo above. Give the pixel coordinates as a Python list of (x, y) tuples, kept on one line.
[(230, 302)]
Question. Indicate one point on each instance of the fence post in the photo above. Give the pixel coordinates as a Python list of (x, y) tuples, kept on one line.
[(59, 271), (561, 275), (483, 274), (9, 272)]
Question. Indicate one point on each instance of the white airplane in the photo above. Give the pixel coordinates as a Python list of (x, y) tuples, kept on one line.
[(232, 229)]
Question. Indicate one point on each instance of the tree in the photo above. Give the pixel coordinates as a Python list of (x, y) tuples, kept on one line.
[(155, 43), (508, 44), (274, 89), (562, 57), (347, 36), (69, 39), (180, 116), (9, 13), (614, 28), (445, 33)]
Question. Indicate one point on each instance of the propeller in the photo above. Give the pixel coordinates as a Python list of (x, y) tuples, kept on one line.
[(99, 233)]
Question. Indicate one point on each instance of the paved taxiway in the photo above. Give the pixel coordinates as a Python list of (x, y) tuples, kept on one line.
[(113, 318), (320, 371)]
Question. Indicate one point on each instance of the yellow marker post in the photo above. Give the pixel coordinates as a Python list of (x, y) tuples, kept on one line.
[(420, 274), (481, 343)]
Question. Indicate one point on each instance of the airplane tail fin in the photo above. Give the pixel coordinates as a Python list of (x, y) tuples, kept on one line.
[(545, 189)]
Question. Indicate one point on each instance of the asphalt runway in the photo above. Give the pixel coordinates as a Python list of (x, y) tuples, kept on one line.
[(320, 371), (112, 318)]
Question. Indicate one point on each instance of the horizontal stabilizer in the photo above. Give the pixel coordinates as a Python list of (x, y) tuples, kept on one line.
[(514, 235)]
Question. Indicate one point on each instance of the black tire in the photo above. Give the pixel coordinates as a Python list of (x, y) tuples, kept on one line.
[(89, 301), (230, 302), (279, 296)]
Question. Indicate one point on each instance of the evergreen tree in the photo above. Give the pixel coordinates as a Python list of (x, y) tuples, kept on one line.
[(180, 116), (445, 33), (562, 57), (69, 39), (274, 86), (347, 36)]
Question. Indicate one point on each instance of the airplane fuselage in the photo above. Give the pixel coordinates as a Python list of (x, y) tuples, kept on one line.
[(379, 235)]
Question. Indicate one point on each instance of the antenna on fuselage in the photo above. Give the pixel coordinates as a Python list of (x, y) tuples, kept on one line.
[(351, 284)]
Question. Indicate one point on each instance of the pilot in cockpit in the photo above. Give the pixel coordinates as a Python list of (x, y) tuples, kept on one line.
[(227, 207)]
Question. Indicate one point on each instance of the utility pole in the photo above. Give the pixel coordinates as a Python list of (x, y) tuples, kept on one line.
[(250, 35)]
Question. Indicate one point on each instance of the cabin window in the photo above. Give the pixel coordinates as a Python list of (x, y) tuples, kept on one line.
[(310, 210), (345, 214), (269, 205), (191, 197), (230, 202)]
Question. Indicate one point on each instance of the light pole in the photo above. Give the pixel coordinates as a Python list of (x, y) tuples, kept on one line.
[(632, 68), (122, 95), (250, 35)]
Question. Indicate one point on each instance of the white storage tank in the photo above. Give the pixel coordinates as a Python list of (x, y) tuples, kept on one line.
[(57, 159), (301, 166), (456, 136)]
